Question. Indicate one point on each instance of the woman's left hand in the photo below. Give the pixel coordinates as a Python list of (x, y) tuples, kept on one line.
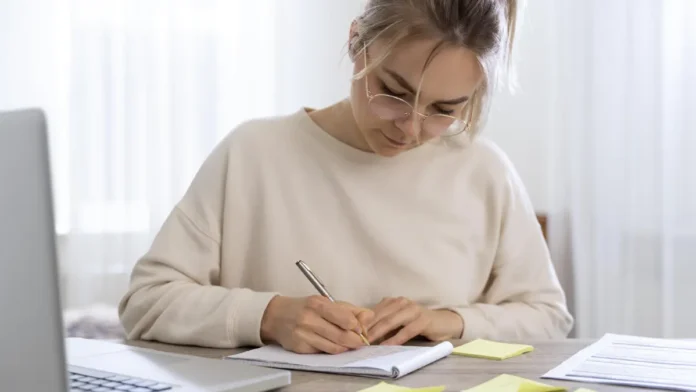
[(406, 319)]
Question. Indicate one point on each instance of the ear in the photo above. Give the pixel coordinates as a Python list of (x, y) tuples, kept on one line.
[(353, 39), (353, 29)]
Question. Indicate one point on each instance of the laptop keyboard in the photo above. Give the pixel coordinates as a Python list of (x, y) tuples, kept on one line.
[(82, 379)]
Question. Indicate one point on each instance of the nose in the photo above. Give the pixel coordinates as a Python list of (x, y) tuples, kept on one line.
[(409, 126)]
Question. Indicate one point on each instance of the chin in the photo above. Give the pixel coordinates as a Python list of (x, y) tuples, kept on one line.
[(383, 147)]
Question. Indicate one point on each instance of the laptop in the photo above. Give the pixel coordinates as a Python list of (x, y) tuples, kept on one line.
[(34, 355)]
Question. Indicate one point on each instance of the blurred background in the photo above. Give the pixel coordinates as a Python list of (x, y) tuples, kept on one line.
[(602, 128)]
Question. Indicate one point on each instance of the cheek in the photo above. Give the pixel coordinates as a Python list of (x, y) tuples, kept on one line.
[(425, 137), (367, 121)]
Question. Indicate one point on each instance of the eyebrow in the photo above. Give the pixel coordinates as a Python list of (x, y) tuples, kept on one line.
[(403, 83)]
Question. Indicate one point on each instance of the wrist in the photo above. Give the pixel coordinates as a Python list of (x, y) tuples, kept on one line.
[(450, 324), (268, 321)]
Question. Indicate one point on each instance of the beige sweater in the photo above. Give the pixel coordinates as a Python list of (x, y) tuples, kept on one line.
[(447, 226)]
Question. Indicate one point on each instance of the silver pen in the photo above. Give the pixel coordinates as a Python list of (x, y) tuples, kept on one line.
[(321, 288)]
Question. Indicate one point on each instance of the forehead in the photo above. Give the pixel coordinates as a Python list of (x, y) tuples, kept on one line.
[(453, 72)]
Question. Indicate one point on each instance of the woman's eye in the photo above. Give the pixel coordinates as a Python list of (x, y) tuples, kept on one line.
[(444, 111), (389, 91)]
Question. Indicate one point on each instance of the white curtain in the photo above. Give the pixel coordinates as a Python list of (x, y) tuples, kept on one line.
[(623, 222), (138, 92), (153, 86)]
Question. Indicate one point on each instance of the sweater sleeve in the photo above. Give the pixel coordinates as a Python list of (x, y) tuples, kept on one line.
[(523, 298), (174, 294)]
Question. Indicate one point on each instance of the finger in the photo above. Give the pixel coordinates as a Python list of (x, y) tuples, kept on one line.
[(300, 347), (338, 314), (378, 311), (353, 308), (364, 315), (387, 308), (342, 337), (318, 342), (382, 304), (365, 318), (395, 320), (313, 321), (408, 332)]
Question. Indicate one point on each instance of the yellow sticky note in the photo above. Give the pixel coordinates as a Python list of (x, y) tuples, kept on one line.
[(487, 349), (508, 383), (384, 387)]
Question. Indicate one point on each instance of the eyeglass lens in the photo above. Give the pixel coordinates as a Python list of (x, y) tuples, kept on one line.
[(390, 108)]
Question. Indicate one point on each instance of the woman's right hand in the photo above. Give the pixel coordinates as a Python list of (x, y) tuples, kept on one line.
[(314, 324)]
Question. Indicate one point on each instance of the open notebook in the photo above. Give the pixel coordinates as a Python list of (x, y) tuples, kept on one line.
[(372, 361)]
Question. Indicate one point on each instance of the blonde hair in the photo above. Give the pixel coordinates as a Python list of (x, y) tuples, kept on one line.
[(486, 27)]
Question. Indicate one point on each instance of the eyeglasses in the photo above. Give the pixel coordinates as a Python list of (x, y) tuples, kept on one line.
[(390, 108)]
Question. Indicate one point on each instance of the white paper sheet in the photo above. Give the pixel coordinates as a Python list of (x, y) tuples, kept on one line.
[(380, 357), (395, 361), (635, 361)]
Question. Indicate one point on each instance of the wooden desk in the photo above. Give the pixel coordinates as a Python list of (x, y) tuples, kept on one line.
[(455, 372)]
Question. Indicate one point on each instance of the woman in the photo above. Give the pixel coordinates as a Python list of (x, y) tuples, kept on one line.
[(420, 227)]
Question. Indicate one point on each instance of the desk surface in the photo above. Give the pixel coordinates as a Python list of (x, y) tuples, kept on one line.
[(455, 372)]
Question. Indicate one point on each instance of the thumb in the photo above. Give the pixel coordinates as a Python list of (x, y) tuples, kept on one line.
[(364, 315)]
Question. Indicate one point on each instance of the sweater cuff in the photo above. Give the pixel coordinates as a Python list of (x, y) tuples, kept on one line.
[(475, 324), (244, 322)]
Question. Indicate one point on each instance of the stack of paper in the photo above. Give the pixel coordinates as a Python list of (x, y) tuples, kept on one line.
[(635, 361)]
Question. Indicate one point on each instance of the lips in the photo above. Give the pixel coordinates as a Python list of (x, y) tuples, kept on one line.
[(394, 142)]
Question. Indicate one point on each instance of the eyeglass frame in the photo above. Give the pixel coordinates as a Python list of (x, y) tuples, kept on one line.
[(423, 117)]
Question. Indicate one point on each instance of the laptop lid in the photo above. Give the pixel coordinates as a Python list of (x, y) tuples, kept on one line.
[(32, 354)]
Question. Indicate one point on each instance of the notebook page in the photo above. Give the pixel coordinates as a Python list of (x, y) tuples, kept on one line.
[(408, 360), (428, 356), (379, 357)]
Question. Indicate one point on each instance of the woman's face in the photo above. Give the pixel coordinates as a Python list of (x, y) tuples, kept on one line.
[(449, 80)]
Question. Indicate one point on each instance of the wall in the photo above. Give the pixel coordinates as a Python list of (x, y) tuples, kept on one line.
[(313, 68), (33, 39), (31, 59), (521, 123)]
